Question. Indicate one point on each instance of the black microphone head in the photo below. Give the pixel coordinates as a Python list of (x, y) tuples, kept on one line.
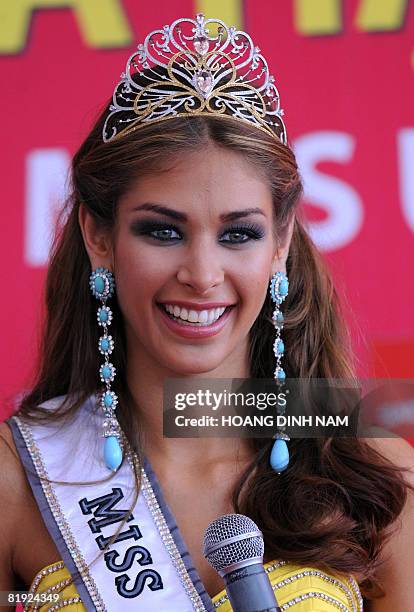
[(231, 542)]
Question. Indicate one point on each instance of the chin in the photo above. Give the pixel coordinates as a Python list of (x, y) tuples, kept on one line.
[(195, 366)]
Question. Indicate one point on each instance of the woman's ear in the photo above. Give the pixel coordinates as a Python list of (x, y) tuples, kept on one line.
[(282, 251), (97, 239)]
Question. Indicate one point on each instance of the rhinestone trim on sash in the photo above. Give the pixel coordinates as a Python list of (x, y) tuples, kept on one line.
[(153, 506), (59, 516), (165, 533)]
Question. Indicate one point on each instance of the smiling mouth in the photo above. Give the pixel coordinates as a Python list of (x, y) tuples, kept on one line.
[(194, 318)]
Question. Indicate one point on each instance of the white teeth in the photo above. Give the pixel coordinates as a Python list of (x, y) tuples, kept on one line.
[(202, 317), (192, 316)]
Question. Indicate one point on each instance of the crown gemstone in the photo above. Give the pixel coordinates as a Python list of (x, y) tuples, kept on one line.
[(201, 45), (203, 82)]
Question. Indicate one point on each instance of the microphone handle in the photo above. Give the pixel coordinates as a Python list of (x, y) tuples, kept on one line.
[(249, 590)]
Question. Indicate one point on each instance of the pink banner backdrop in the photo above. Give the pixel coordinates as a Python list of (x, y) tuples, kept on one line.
[(345, 71)]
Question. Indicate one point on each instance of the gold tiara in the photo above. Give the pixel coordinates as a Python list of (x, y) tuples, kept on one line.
[(183, 71)]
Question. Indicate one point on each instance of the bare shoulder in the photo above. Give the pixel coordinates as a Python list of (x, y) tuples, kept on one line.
[(14, 494), (26, 546), (395, 572), (13, 480), (398, 452), (14, 487)]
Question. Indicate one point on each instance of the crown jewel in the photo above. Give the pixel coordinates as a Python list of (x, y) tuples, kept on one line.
[(182, 70)]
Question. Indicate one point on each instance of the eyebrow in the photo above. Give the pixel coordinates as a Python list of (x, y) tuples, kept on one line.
[(180, 216)]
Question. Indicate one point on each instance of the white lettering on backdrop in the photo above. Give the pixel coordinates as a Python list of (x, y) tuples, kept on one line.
[(338, 199), (405, 144), (46, 175)]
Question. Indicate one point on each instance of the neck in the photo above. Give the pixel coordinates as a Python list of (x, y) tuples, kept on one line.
[(146, 383)]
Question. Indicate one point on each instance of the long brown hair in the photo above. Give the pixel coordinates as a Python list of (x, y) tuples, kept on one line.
[(333, 506)]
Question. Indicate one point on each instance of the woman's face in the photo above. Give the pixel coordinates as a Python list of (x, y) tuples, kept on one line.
[(193, 252)]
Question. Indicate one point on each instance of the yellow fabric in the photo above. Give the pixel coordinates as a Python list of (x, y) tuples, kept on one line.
[(331, 590)]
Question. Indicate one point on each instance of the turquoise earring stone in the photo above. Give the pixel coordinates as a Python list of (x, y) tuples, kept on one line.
[(112, 453), (99, 284), (283, 287), (106, 372), (279, 457), (104, 344), (108, 400)]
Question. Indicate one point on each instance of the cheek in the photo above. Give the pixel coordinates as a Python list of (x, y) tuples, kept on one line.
[(139, 272), (129, 255), (257, 270), (254, 273)]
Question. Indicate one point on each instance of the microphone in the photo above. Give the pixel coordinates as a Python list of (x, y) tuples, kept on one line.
[(233, 545)]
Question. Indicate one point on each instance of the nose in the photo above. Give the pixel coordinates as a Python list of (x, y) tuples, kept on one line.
[(201, 270)]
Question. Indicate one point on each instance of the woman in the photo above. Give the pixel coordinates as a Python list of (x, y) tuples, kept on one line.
[(184, 207)]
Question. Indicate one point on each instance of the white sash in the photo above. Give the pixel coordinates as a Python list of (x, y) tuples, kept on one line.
[(149, 569)]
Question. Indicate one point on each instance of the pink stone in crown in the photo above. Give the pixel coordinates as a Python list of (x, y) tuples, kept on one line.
[(201, 45), (203, 82)]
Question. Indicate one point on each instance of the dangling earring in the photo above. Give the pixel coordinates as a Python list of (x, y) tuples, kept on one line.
[(279, 287), (102, 285)]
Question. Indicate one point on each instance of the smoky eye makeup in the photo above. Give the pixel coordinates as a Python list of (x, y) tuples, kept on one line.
[(154, 228), (252, 231), (165, 231)]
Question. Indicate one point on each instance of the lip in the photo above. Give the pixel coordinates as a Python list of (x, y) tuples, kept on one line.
[(197, 306), (187, 331)]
